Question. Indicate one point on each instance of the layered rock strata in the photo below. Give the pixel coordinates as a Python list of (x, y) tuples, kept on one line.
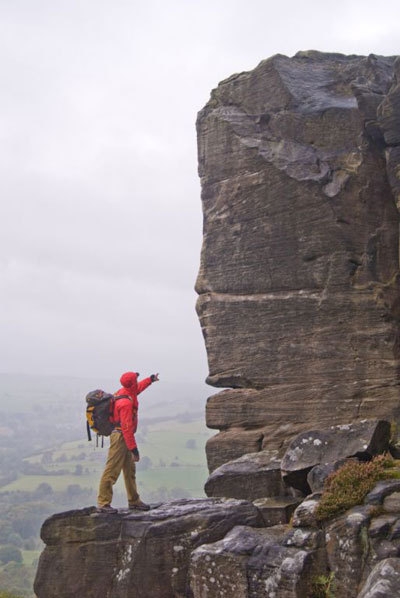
[(299, 162)]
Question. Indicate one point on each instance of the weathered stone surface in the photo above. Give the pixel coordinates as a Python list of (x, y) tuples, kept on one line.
[(384, 549), (380, 526), (391, 503), (276, 510), (389, 110), (393, 171), (221, 568), (347, 547), (298, 283), (362, 439), (317, 476), (304, 515), (284, 571), (132, 555), (395, 529), (252, 563), (257, 475), (383, 581), (213, 548), (305, 538), (232, 444), (381, 491)]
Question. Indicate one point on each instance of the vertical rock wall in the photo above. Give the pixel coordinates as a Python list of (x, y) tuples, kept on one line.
[(298, 289)]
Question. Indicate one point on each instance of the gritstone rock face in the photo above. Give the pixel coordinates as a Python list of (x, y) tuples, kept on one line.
[(298, 285)]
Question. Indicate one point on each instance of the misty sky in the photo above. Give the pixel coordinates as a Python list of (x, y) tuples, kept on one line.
[(100, 227)]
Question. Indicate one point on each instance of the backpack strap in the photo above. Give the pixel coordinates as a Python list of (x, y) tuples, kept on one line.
[(89, 436)]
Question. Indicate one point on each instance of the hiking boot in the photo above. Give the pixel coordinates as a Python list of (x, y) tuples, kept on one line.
[(106, 509), (139, 506)]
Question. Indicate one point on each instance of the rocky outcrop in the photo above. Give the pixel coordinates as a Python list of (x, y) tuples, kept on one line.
[(215, 548), (363, 440), (356, 555), (298, 283), (253, 563), (384, 580), (250, 477), (270, 543), (304, 466), (132, 555)]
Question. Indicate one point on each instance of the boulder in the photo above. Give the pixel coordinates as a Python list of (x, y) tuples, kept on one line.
[(380, 526), (252, 476), (383, 489), (391, 503), (305, 538), (362, 439), (305, 514), (276, 569), (384, 529), (383, 581), (318, 475), (250, 563), (231, 444), (221, 568), (132, 555), (276, 510)]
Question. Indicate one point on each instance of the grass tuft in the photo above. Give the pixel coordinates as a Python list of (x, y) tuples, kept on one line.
[(323, 586)]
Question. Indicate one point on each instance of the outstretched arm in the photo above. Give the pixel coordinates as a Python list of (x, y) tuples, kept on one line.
[(143, 384)]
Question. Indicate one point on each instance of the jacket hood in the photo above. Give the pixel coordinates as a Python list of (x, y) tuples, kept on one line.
[(129, 380)]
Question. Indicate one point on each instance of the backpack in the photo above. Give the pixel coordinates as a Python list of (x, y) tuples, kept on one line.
[(99, 411), (99, 408)]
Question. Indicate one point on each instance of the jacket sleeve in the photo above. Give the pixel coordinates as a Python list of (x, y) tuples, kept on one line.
[(143, 384), (126, 419)]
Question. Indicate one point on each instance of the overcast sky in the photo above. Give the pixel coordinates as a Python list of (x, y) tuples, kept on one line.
[(100, 229)]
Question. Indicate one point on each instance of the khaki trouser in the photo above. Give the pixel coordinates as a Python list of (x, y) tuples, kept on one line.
[(119, 457)]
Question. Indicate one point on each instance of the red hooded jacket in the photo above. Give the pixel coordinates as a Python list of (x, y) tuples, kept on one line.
[(125, 415)]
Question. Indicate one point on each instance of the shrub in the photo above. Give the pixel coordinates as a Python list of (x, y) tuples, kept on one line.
[(349, 485), (323, 586)]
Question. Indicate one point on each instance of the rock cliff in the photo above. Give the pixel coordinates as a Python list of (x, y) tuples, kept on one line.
[(299, 305), (299, 279), (217, 547)]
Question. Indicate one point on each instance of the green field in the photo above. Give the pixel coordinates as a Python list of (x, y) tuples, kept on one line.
[(30, 556), (167, 462)]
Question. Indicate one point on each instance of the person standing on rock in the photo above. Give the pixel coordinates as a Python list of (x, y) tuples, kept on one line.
[(123, 452)]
